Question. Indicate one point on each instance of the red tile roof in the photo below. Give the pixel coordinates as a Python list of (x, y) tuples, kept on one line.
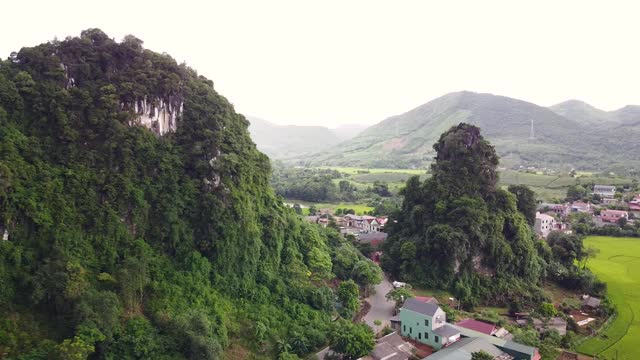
[(479, 326), (427, 299)]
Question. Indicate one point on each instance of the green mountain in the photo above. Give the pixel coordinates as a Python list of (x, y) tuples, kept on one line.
[(584, 113), (287, 141), (137, 221), (407, 140)]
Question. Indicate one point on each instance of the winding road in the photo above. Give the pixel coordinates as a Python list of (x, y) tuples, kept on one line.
[(381, 308)]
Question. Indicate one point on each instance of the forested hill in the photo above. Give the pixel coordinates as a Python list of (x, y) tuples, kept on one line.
[(558, 141), (138, 217), (461, 232)]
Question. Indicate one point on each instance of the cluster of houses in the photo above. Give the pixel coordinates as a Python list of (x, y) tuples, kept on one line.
[(422, 322), (554, 216), (366, 229)]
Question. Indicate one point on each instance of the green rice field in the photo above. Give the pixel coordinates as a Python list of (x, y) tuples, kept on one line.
[(618, 264)]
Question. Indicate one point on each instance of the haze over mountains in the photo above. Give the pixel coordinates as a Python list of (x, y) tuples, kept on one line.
[(291, 141), (571, 134)]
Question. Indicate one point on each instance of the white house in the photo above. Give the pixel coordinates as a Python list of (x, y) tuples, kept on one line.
[(544, 224), (606, 191)]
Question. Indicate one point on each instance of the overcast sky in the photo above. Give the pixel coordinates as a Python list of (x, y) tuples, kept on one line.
[(335, 62)]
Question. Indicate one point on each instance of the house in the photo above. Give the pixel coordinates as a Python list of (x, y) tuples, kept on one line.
[(610, 201), (463, 350), (613, 215), (606, 191), (560, 210), (354, 221), (365, 224), (426, 323), (516, 350), (370, 224), (579, 206), (479, 326), (562, 227), (322, 221), (544, 224), (427, 299), (382, 220), (634, 204), (503, 333), (590, 302), (375, 238), (392, 347), (555, 323)]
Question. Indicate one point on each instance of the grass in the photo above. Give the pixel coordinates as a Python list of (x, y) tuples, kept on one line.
[(442, 295), (618, 264), (356, 170), (360, 209), (547, 187)]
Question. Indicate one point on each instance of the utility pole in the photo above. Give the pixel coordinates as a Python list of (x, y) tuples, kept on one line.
[(531, 133)]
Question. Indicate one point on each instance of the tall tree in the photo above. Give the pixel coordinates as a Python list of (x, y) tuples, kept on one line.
[(351, 340), (459, 231), (526, 201)]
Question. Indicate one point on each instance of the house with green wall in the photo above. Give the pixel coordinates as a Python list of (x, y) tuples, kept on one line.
[(425, 322)]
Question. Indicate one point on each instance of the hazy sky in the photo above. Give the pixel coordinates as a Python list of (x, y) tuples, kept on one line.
[(332, 62)]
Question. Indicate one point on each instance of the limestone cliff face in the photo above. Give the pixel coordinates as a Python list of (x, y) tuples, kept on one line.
[(159, 115)]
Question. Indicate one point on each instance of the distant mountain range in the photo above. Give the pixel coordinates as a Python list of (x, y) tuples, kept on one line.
[(572, 134), (293, 141)]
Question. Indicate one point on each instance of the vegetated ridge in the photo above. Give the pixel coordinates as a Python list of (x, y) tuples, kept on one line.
[(562, 136), (136, 217)]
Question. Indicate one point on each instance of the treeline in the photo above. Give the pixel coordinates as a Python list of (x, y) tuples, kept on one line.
[(321, 185), (123, 244)]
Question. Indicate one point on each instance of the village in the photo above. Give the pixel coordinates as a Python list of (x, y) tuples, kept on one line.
[(411, 326)]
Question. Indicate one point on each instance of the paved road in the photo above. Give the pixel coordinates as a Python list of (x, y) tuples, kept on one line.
[(381, 308)]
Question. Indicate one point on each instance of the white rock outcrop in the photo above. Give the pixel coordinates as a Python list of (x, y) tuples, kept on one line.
[(159, 115)]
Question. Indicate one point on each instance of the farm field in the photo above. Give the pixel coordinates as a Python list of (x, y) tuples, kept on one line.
[(547, 187), (356, 170), (360, 209), (618, 264)]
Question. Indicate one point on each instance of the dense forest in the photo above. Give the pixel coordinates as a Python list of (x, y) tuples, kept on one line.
[(321, 185), (459, 231), (139, 220)]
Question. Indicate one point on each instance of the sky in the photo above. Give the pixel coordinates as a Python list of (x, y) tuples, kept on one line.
[(339, 62)]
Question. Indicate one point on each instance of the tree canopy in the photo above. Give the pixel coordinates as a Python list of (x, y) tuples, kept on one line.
[(140, 218), (459, 231)]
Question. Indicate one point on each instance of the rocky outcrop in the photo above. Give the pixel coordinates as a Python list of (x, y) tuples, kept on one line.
[(159, 115)]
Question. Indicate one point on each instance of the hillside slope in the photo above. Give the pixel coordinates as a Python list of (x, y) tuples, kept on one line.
[(407, 139), (558, 141), (136, 217), (583, 113)]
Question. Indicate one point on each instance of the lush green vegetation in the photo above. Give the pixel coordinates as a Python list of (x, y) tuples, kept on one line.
[(124, 244), (561, 141), (618, 264), (460, 232)]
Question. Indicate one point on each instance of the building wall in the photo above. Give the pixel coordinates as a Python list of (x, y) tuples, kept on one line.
[(412, 325)]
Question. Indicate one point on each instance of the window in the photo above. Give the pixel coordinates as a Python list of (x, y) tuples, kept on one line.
[(420, 336), (410, 329), (404, 328), (426, 335), (437, 339), (426, 322)]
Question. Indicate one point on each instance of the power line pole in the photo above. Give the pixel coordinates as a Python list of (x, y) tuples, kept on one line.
[(531, 134)]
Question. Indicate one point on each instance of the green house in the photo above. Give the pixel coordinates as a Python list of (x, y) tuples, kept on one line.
[(425, 322)]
